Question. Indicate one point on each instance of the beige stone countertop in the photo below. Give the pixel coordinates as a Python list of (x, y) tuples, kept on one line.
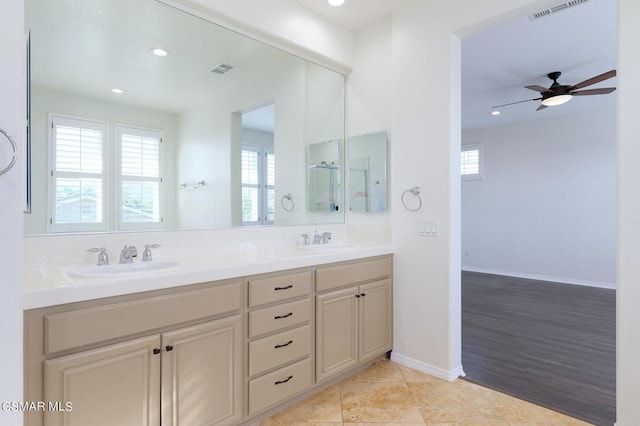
[(58, 285)]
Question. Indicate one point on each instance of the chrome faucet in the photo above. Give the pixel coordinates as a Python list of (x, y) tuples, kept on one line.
[(128, 253), (325, 237), (103, 257), (317, 239), (146, 254)]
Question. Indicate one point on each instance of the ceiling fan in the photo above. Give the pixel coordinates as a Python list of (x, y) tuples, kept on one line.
[(558, 94)]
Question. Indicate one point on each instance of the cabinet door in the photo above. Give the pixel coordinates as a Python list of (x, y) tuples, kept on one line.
[(201, 374), (114, 385), (375, 319), (336, 332)]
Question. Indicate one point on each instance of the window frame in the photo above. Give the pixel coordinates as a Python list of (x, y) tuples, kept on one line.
[(479, 146), (120, 128), (55, 119), (262, 186)]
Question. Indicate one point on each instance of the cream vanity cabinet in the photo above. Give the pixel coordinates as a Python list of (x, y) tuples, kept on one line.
[(280, 336), (353, 314), (217, 353), (128, 363)]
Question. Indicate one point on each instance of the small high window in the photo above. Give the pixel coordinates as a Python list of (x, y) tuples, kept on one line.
[(471, 161)]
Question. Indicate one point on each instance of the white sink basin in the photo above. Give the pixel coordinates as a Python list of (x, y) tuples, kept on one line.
[(329, 246), (118, 269)]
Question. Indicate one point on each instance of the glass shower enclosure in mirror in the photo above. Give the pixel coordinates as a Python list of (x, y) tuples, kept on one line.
[(368, 172), (325, 171), (146, 117)]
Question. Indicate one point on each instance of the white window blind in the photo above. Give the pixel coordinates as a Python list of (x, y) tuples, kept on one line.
[(140, 189), (258, 185), (77, 174), (471, 162)]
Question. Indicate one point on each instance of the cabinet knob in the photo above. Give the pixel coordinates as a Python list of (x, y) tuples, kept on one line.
[(156, 351), (169, 348), (362, 294), (357, 295)]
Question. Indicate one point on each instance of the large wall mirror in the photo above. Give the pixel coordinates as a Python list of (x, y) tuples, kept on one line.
[(146, 117)]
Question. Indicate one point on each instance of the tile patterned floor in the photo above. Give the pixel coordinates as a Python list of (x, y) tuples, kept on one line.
[(388, 394)]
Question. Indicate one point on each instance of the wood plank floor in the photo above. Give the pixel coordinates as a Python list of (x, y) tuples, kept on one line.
[(548, 343)]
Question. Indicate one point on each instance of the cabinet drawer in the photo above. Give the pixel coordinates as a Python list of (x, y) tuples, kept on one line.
[(279, 349), (274, 318), (278, 288), (353, 272), (73, 329), (277, 386)]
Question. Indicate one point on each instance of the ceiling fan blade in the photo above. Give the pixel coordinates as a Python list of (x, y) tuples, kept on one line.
[(519, 102), (538, 88), (603, 91), (596, 79), (541, 107)]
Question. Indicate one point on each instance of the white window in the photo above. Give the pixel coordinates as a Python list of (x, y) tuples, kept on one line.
[(258, 185), (77, 174), (471, 161), (140, 178)]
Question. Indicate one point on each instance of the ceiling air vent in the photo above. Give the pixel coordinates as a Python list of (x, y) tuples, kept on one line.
[(222, 69), (554, 9)]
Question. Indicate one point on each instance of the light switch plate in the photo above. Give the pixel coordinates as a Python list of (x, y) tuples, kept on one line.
[(429, 228)]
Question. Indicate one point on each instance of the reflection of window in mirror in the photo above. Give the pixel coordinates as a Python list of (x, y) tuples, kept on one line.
[(77, 178), (140, 176), (81, 198), (258, 167)]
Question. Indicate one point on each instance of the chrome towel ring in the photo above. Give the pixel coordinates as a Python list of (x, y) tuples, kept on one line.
[(287, 206), (416, 192), (15, 152)]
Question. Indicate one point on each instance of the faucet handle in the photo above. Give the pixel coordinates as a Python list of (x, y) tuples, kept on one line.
[(146, 254), (326, 236), (305, 239), (103, 257)]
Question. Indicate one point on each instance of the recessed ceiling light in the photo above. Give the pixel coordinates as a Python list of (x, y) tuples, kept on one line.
[(159, 52), (118, 91), (336, 2), (495, 112)]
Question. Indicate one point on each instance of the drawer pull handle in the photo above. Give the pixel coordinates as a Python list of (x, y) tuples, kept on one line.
[(284, 288), (283, 381), (283, 345), (357, 295), (283, 316), (362, 294)]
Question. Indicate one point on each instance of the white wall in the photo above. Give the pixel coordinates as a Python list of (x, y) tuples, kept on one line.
[(369, 106), (205, 151), (47, 101), (628, 268), (12, 110), (286, 22), (546, 207)]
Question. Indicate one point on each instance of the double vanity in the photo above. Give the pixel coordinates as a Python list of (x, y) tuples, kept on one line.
[(195, 344)]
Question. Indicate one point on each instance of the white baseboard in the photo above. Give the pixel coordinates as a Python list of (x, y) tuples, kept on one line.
[(561, 280), (449, 376)]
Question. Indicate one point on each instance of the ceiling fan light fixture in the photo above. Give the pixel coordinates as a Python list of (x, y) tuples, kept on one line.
[(556, 100)]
